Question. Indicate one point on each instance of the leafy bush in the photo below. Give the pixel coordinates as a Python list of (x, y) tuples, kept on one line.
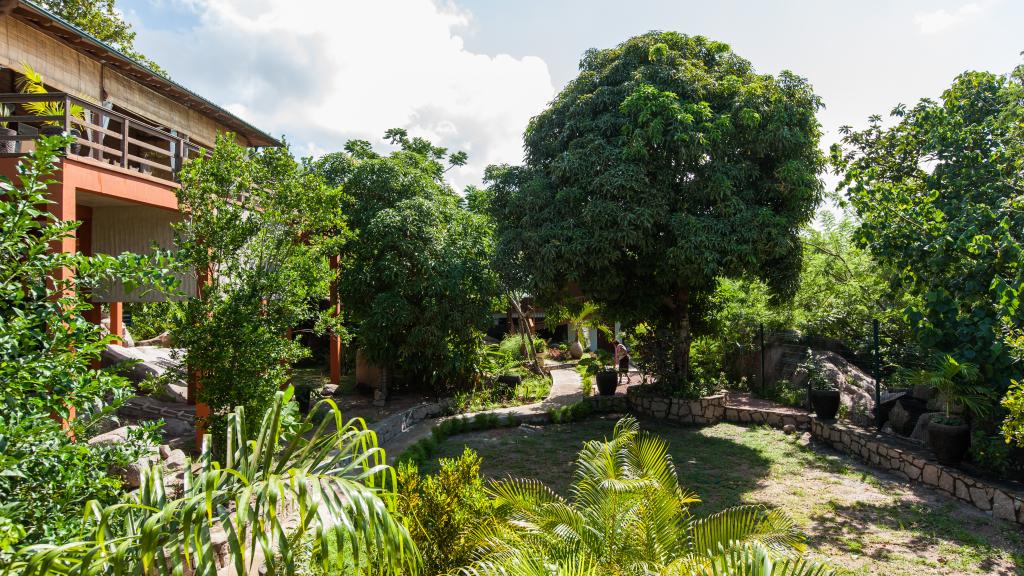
[(442, 511), (785, 392), (51, 399), (151, 319), (990, 452), (513, 346)]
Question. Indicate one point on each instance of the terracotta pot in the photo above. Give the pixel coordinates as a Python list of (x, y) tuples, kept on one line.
[(576, 350), (825, 403), (949, 441)]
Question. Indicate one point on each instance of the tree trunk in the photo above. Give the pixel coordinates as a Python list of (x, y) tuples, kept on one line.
[(380, 395), (528, 332), (681, 352)]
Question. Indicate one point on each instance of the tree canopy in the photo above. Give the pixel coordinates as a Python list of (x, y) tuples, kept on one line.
[(417, 283), (666, 164), (939, 199)]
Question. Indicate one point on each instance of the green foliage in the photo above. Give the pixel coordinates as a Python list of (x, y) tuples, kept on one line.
[(990, 452), (151, 319), (104, 20), (256, 221), (667, 164), (515, 345), (816, 379), (786, 393), (418, 281), (571, 412), (46, 354), (491, 394), (939, 199), (957, 383), (444, 510), (628, 515), (333, 477)]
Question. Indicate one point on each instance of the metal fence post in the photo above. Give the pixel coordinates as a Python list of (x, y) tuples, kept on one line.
[(762, 357), (877, 375)]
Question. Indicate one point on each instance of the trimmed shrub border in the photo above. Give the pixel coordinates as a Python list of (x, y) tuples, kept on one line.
[(889, 454)]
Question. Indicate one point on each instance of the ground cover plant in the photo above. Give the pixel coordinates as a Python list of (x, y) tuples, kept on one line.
[(863, 523)]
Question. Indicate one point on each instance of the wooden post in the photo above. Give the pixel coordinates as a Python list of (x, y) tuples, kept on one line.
[(334, 341), (117, 321), (195, 382)]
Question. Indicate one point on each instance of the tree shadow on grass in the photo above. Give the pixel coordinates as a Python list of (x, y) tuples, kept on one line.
[(720, 470), (919, 523)]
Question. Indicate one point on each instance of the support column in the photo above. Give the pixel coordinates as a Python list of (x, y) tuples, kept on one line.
[(117, 321), (618, 331), (592, 334), (195, 382), (63, 207), (334, 341)]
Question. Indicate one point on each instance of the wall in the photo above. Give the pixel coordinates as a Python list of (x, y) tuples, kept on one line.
[(117, 229)]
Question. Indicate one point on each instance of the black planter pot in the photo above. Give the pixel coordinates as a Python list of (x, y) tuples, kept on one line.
[(51, 130), (825, 403), (8, 146), (509, 380), (949, 441), (607, 382)]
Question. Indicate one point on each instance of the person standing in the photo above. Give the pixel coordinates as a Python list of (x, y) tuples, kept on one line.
[(622, 359)]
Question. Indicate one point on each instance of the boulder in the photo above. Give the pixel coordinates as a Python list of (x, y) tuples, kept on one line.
[(923, 392), (856, 387), (920, 432), (789, 429), (903, 416), (175, 461), (115, 436), (150, 362)]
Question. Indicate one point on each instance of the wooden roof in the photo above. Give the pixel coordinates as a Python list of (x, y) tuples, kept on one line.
[(82, 41)]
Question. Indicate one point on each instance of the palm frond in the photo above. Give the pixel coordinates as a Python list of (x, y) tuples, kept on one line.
[(328, 486), (773, 529)]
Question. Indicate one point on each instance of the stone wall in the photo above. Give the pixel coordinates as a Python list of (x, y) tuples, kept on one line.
[(773, 418), (708, 410), (917, 466), (390, 427)]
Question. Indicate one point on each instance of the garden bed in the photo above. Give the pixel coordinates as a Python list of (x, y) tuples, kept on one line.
[(866, 522)]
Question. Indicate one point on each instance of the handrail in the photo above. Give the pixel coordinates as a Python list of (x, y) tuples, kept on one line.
[(100, 134)]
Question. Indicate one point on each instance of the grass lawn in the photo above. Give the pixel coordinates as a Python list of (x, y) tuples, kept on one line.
[(863, 522)]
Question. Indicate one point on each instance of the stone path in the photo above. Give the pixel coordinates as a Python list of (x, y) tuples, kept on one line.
[(566, 389)]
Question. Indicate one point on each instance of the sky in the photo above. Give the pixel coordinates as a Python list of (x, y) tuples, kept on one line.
[(469, 74)]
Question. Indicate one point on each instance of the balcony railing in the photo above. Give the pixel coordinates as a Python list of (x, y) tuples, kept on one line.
[(101, 135)]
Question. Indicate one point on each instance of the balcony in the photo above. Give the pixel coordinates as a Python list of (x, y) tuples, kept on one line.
[(102, 136)]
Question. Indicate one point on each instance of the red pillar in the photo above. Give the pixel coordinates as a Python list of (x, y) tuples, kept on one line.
[(195, 383), (334, 343), (63, 207), (117, 321)]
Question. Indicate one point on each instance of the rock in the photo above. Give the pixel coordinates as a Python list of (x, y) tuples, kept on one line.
[(151, 362), (1002, 506), (175, 428), (938, 404), (923, 392), (175, 461), (163, 340), (920, 432), (980, 498), (164, 450), (930, 475), (789, 429), (899, 417), (115, 436)]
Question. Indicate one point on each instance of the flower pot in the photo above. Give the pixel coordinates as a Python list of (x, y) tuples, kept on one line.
[(607, 382), (949, 442), (825, 403), (576, 350), (509, 380), (51, 130), (8, 146)]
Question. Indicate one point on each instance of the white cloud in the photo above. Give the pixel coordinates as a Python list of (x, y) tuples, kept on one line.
[(940, 20), (325, 72)]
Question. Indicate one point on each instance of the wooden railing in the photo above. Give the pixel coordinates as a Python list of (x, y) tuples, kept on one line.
[(101, 134)]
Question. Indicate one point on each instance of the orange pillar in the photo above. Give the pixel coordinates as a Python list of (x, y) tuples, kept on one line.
[(334, 343), (195, 383), (62, 197), (117, 321)]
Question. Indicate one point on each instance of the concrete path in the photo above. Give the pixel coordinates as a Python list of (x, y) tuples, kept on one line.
[(566, 389)]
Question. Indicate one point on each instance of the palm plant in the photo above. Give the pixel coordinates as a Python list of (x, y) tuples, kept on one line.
[(575, 318), (956, 383), (629, 516), (31, 82), (328, 486)]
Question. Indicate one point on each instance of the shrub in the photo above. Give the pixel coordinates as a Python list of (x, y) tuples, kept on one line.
[(513, 346), (151, 319), (444, 510)]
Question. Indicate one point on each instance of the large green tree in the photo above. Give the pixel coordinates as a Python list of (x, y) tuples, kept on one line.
[(102, 19), (416, 282), (666, 164), (939, 197), (260, 225)]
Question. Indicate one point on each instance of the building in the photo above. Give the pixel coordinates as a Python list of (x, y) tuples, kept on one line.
[(134, 131)]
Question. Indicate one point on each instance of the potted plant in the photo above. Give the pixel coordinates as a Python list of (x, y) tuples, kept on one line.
[(576, 321), (30, 82), (949, 435), (7, 146), (824, 394), (599, 367)]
